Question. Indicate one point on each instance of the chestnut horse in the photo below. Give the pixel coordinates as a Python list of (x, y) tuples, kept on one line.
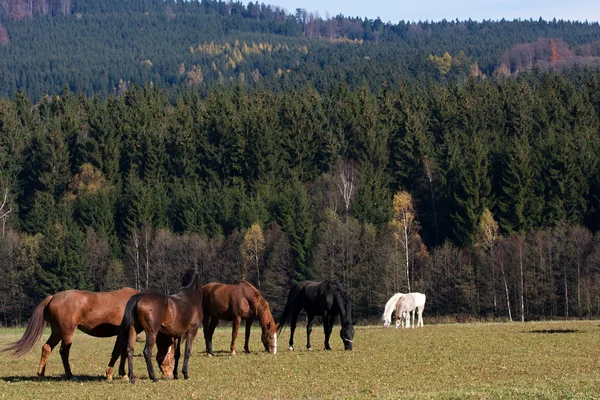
[(235, 303), (327, 299), (98, 314), (177, 316)]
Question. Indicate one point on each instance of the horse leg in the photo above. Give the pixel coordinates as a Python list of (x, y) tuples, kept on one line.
[(119, 349), (189, 340), (209, 330), (65, 347), (130, 349), (327, 329), (150, 341), (293, 322), (234, 332), (413, 317), (177, 347), (309, 321), (331, 322), (247, 341), (47, 349)]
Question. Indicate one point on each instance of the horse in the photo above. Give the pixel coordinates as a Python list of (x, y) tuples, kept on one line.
[(98, 314), (176, 316), (234, 303), (327, 299), (389, 308), (404, 306)]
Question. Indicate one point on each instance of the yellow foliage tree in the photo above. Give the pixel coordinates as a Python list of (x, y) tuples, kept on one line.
[(253, 248), (443, 63), (405, 227)]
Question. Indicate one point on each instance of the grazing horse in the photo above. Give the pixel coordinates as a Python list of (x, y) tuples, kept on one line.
[(176, 316), (404, 306), (234, 303), (389, 309), (98, 314), (327, 299)]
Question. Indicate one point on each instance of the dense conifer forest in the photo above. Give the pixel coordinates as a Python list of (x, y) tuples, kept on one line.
[(458, 159)]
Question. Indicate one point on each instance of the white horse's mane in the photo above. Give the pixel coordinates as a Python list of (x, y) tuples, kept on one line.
[(390, 306)]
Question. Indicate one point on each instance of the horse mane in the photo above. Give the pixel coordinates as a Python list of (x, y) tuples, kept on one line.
[(390, 306), (187, 279), (339, 292), (260, 304)]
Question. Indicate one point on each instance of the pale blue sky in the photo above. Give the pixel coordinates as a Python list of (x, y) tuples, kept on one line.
[(436, 10)]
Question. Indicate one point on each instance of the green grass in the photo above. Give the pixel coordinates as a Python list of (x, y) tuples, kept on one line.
[(537, 360)]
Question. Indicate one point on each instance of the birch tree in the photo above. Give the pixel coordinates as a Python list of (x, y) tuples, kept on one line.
[(253, 248), (405, 229)]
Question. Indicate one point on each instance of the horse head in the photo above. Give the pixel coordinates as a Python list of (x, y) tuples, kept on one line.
[(347, 335), (269, 337)]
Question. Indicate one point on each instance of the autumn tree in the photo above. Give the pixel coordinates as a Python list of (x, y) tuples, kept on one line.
[(252, 249), (405, 228), (486, 238)]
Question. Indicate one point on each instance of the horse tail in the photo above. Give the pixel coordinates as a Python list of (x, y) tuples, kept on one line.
[(35, 328), (287, 310), (128, 318)]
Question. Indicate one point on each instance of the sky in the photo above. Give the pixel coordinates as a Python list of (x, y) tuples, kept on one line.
[(436, 10)]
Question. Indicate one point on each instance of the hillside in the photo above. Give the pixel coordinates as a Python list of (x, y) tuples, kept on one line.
[(103, 47)]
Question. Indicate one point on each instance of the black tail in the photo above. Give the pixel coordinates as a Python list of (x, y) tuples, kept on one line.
[(287, 310), (128, 318)]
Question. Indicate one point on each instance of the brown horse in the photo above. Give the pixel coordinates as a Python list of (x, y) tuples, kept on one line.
[(176, 316), (97, 314), (234, 303)]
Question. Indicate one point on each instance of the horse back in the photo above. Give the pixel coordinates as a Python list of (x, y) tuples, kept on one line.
[(225, 301), (95, 313)]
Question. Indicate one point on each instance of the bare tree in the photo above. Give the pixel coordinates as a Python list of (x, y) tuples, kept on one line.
[(4, 212), (346, 180)]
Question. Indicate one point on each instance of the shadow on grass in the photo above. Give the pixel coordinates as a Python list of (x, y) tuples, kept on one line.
[(553, 331), (80, 378)]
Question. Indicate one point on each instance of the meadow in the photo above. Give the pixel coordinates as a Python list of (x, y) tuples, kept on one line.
[(443, 361)]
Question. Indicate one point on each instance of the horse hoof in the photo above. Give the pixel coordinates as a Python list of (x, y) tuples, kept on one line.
[(309, 348), (109, 378), (291, 348), (74, 379), (124, 378)]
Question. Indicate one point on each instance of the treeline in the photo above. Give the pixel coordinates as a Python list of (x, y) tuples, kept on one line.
[(482, 195), (102, 47)]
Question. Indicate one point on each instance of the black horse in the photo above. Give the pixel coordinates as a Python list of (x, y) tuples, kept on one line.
[(327, 299)]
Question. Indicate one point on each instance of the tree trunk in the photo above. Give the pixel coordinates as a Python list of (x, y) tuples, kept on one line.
[(507, 294), (522, 282)]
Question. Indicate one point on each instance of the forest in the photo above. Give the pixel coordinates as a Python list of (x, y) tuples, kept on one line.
[(482, 195), (457, 159), (101, 47)]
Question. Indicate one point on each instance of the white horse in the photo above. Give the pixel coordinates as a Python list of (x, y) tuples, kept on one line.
[(404, 306), (390, 306)]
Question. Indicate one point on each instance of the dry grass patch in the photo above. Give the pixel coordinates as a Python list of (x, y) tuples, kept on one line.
[(478, 361)]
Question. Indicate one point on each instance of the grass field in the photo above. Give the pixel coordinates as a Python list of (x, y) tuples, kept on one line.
[(454, 361)]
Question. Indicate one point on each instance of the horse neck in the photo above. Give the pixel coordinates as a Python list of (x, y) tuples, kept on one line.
[(263, 313), (344, 307), (390, 307)]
